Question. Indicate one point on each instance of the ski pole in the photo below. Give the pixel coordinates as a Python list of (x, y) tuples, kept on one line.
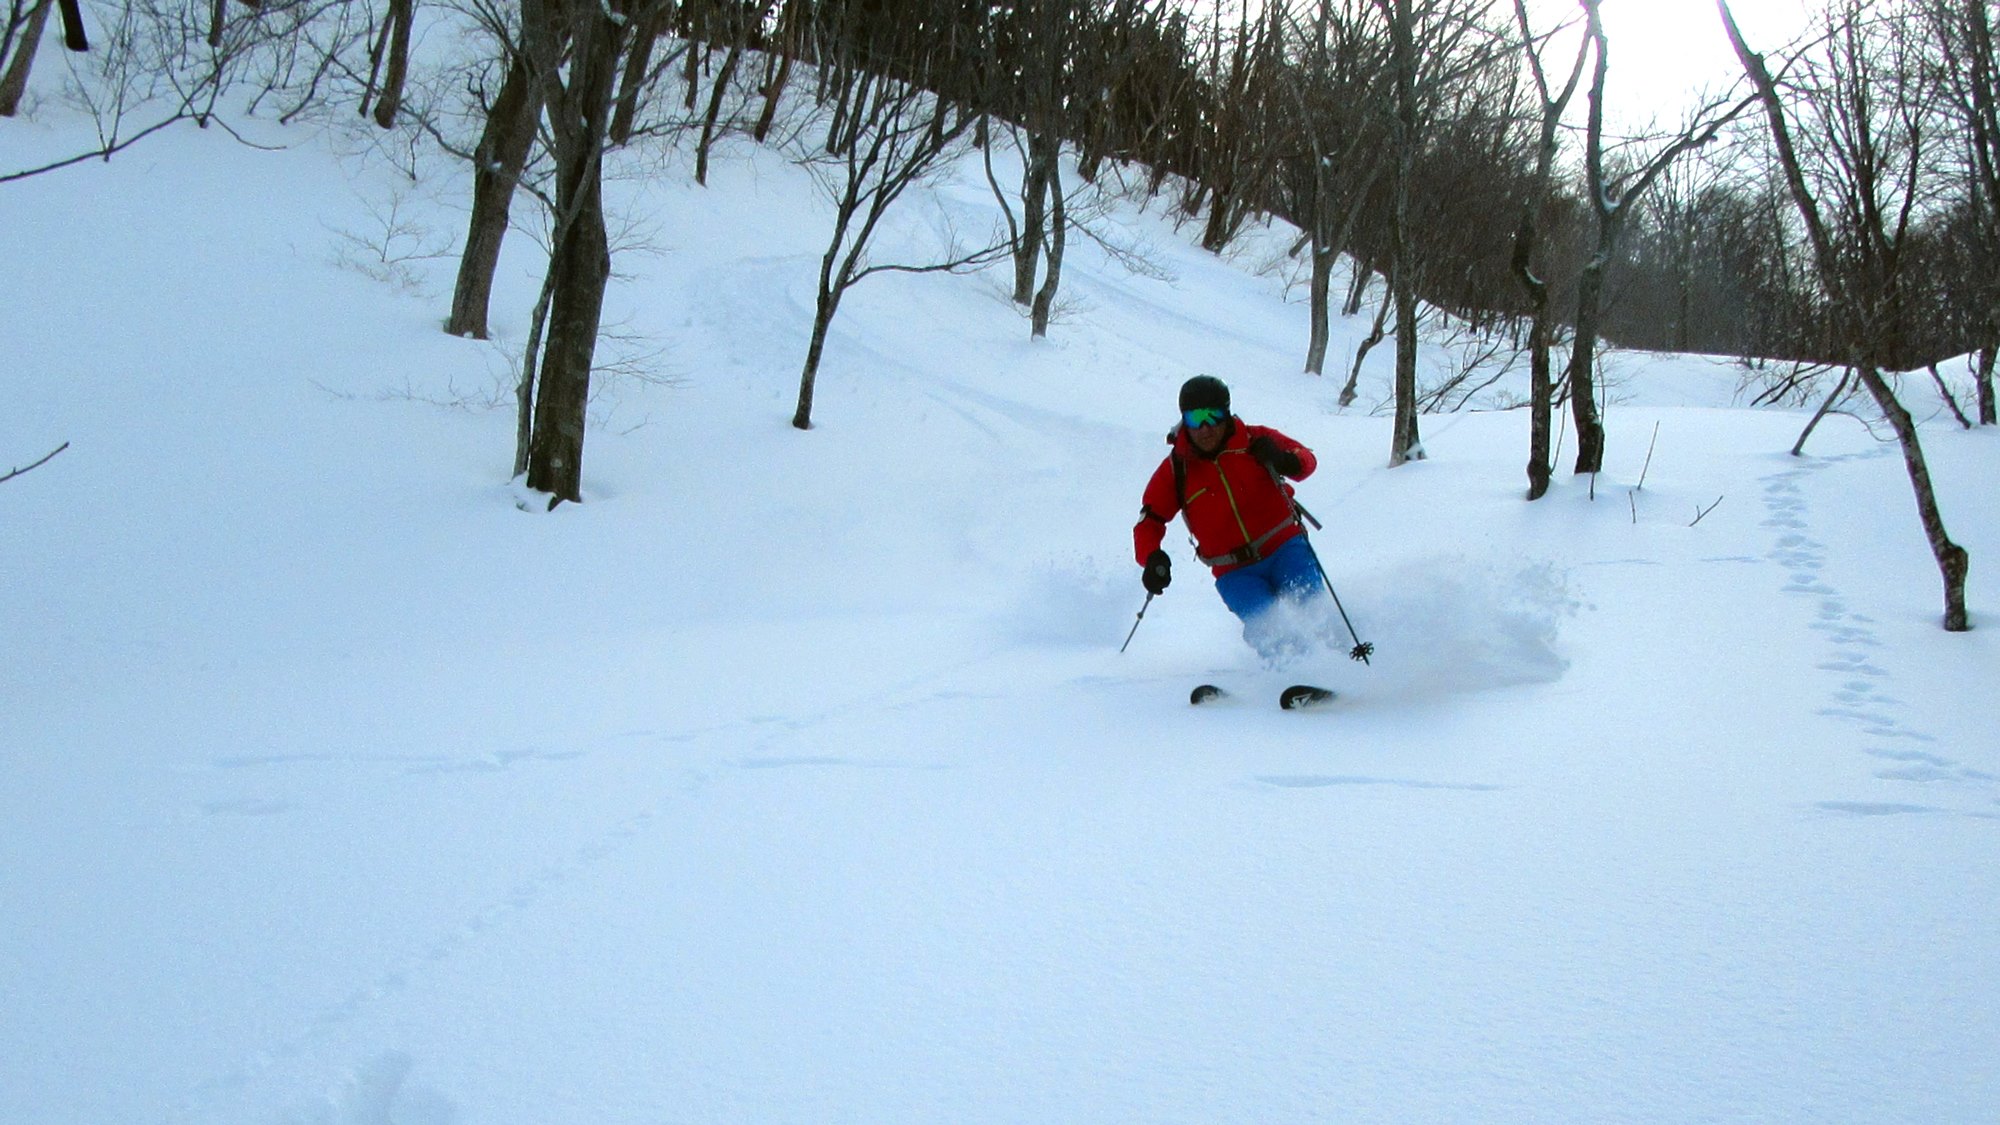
[(1362, 650), (1142, 617)]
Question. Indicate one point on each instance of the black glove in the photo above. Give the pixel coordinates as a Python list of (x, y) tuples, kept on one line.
[(1274, 456), (1159, 572)]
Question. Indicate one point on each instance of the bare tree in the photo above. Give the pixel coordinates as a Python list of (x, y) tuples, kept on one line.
[(394, 42), (156, 64), (1241, 139), (1611, 200), (1964, 31), (1055, 69), (1428, 64), (640, 73), (1527, 238), (1983, 380), (1037, 60), (901, 132), (576, 88), (735, 26), (1376, 331), (20, 38), (1058, 238), (505, 145), (1338, 156), (1404, 443), (1856, 185), (779, 53)]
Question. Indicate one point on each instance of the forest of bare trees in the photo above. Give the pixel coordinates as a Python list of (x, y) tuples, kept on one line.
[(1457, 152)]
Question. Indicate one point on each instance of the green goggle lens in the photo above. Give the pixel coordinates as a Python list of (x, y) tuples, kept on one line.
[(1204, 416)]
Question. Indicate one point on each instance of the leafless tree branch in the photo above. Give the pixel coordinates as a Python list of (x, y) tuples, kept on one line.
[(50, 456)]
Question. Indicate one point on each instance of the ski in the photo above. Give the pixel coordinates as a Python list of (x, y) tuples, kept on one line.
[(1300, 696), (1294, 698)]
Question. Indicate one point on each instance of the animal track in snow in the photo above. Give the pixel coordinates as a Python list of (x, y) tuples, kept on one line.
[(1317, 781), (378, 1092), (1859, 692)]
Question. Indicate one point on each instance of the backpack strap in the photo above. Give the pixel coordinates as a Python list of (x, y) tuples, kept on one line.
[(1253, 551), (1299, 514)]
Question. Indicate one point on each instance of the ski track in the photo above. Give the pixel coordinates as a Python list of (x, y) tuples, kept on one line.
[(376, 1091), (1863, 690)]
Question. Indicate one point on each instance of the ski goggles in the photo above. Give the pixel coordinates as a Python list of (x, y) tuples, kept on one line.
[(1202, 416)]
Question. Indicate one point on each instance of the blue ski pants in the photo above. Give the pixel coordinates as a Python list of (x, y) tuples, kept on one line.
[(1259, 593)]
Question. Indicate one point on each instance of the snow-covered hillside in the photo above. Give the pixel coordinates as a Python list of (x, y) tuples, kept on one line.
[(797, 777)]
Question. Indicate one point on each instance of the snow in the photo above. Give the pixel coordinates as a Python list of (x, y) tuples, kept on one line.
[(796, 777)]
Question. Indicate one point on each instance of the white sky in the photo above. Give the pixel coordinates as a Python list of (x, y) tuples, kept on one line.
[(1663, 51)]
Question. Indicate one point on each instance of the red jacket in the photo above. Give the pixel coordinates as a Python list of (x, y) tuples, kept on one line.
[(1230, 502)]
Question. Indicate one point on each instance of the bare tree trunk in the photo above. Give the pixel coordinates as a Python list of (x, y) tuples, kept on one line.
[(579, 116), (402, 17), (774, 88), (708, 121), (1975, 74), (1224, 217), (375, 55), (1582, 371), (1326, 244), (1825, 408), (1541, 406), (1984, 381), (582, 269), (638, 71), (1583, 361), (1323, 259), (697, 53), (497, 166), (1527, 238), (1035, 180), (847, 127), (1357, 286), (1612, 202), (524, 391), (1405, 444), (15, 82), (1045, 298), (1953, 560), (1374, 337), (823, 311), (1950, 400), (72, 25)]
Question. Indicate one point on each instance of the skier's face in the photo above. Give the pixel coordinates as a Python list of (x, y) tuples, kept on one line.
[(1209, 438)]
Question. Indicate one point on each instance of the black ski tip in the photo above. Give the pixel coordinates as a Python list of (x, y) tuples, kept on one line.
[(1203, 693), (1303, 695)]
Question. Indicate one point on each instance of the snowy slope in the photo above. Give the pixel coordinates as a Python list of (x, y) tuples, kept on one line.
[(796, 777)]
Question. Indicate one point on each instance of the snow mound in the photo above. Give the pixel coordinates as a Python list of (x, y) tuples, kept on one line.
[(1454, 624), (1075, 601)]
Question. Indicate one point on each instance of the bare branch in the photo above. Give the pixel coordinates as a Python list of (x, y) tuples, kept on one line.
[(12, 473), (104, 153)]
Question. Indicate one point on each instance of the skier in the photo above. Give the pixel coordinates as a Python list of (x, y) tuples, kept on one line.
[(1225, 479)]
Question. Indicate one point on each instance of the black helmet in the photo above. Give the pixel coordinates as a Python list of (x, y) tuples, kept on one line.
[(1204, 390)]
